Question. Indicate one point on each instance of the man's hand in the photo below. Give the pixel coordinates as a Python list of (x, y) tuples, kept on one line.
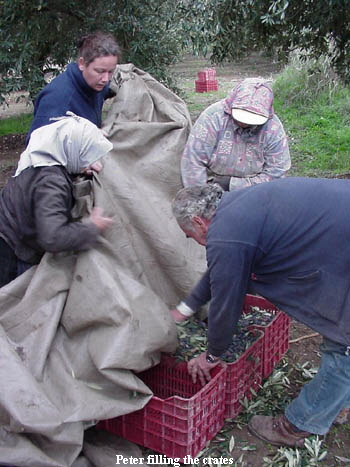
[(97, 218), (199, 367), (178, 317)]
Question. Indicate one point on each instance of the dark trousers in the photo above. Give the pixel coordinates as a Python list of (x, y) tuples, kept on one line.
[(10, 265)]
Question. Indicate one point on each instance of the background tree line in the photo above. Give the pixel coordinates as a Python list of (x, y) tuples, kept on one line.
[(39, 36)]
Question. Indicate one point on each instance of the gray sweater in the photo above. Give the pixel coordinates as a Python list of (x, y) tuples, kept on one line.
[(35, 215)]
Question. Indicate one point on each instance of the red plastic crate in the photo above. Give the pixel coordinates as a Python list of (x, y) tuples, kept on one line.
[(206, 86), (208, 74), (181, 417), (276, 333), (243, 375)]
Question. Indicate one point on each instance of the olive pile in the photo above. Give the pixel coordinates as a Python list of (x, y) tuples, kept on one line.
[(257, 316), (192, 335)]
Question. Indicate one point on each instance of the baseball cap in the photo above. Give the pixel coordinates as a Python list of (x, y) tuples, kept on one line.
[(249, 118)]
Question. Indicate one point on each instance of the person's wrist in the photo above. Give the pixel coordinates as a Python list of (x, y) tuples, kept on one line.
[(211, 358), (184, 309)]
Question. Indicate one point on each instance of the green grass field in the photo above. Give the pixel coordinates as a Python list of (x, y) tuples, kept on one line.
[(15, 125)]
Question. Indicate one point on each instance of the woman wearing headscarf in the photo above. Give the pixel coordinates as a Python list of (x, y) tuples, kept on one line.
[(36, 203), (238, 141), (84, 86)]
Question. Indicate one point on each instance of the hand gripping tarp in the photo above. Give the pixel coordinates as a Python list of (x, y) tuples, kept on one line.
[(77, 328)]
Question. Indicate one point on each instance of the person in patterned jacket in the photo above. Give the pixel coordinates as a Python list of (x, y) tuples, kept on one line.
[(238, 141)]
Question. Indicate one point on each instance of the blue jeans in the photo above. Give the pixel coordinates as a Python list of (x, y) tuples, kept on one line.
[(320, 401)]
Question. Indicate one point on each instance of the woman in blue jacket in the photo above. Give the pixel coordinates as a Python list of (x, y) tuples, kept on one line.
[(83, 87)]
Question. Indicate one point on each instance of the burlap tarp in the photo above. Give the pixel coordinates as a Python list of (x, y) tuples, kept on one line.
[(77, 328)]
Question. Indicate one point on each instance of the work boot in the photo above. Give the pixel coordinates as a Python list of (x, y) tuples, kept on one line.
[(342, 417), (277, 431)]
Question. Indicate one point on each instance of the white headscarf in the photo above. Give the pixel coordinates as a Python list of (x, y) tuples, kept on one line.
[(71, 141)]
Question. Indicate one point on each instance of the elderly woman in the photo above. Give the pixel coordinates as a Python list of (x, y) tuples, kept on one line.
[(83, 87), (238, 141), (36, 203)]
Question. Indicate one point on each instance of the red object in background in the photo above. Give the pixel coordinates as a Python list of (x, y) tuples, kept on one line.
[(206, 80), (181, 417), (208, 74), (276, 333)]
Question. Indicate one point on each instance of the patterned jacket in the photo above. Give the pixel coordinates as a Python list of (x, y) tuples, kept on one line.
[(218, 146)]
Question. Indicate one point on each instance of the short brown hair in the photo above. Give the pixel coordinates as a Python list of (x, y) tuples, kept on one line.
[(97, 44)]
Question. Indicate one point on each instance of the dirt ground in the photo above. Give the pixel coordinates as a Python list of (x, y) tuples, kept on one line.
[(304, 350), (337, 441), (11, 147)]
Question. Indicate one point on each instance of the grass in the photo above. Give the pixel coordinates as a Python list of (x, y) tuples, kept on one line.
[(314, 108), (319, 139), (197, 102), (15, 125)]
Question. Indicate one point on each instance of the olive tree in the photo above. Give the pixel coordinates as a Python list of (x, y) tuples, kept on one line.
[(40, 36), (280, 26)]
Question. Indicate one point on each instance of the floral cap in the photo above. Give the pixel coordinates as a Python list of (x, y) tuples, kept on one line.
[(251, 101)]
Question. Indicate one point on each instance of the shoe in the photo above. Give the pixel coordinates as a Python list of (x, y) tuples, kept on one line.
[(342, 417), (277, 431)]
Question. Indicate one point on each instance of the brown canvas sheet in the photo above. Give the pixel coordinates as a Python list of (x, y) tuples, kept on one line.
[(76, 329)]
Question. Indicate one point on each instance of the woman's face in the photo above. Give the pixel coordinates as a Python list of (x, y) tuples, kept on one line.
[(99, 72)]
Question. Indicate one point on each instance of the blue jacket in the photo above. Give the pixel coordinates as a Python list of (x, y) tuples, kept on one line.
[(287, 240), (68, 91)]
